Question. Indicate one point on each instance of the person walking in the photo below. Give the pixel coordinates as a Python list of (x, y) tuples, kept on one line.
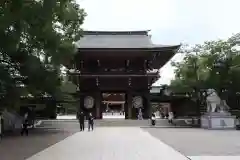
[(24, 127), (25, 124), (140, 114), (153, 119), (81, 119), (1, 125), (170, 117), (90, 122), (32, 117)]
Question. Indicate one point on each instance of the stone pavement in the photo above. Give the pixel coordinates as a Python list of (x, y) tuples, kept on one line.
[(16, 147), (120, 143), (214, 157), (200, 144)]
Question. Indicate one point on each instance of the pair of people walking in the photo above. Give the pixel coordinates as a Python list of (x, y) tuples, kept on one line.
[(81, 119)]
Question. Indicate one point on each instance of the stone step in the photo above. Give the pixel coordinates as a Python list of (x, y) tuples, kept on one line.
[(123, 123), (105, 123), (181, 122)]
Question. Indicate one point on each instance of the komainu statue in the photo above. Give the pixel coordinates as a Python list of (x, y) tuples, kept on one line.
[(215, 104)]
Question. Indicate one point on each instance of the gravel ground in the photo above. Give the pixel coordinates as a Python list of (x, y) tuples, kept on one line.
[(199, 142)]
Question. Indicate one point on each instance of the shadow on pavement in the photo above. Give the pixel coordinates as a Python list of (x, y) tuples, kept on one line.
[(16, 147)]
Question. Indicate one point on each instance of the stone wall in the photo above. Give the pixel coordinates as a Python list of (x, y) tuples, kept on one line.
[(12, 120)]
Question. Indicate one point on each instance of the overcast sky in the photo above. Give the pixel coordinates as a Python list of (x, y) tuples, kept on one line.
[(170, 21)]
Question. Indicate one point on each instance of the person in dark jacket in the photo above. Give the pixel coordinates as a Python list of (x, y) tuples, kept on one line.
[(90, 122), (1, 126), (25, 127), (81, 119)]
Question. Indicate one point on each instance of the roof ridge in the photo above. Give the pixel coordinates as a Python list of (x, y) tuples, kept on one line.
[(136, 32)]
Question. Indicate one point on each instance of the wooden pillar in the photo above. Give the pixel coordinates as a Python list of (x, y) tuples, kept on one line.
[(98, 105), (81, 102), (126, 107), (129, 105), (134, 110), (169, 107), (147, 105), (122, 108)]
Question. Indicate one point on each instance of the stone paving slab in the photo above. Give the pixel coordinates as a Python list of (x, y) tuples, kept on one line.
[(110, 143), (215, 157), (200, 142), (16, 147)]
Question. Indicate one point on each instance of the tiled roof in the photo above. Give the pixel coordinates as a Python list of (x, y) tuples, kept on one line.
[(116, 39)]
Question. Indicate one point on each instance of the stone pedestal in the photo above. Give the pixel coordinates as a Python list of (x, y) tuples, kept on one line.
[(218, 121)]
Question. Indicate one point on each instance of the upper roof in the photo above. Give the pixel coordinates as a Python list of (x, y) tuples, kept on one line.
[(117, 39)]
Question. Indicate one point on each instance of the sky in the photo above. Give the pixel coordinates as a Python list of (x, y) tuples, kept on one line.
[(170, 21)]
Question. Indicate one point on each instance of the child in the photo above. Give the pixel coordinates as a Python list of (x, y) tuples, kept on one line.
[(153, 119)]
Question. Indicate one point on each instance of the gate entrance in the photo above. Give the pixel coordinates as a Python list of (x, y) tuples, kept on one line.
[(124, 62), (113, 105)]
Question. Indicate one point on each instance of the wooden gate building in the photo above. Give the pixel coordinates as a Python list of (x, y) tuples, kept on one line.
[(118, 62)]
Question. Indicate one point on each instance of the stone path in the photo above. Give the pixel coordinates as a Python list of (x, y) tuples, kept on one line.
[(110, 143), (120, 143)]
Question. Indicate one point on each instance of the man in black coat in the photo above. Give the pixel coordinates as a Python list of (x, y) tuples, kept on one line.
[(1, 126), (81, 119), (24, 127)]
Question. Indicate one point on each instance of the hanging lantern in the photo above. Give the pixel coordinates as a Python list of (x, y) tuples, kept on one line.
[(88, 102), (137, 102)]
